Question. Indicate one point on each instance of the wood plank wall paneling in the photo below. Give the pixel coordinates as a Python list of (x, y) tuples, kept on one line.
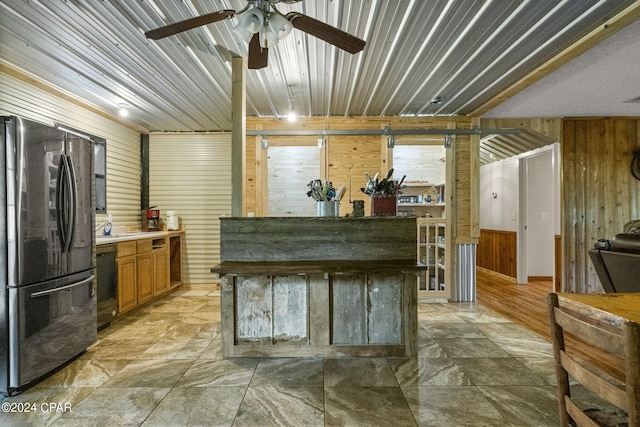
[(497, 251), (349, 157), (599, 194), (21, 98), (191, 174)]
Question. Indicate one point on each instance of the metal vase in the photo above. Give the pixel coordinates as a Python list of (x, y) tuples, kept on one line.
[(328, 208)]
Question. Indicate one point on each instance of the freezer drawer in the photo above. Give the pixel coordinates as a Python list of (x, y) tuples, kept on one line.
[(49, 325)]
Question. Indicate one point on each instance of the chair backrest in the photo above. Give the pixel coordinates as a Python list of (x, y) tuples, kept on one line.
[(623, 342)]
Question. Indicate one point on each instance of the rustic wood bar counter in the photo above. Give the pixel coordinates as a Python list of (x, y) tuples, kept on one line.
[(318, 286)]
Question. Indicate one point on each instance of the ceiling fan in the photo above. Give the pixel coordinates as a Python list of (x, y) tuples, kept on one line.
[(262, 25)]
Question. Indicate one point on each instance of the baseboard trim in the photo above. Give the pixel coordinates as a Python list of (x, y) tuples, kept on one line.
[(539, 278)]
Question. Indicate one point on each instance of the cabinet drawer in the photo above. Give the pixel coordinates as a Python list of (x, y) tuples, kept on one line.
[(144, 245), (126, 248)]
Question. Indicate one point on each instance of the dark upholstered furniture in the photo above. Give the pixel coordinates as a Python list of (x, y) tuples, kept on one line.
[(617, 262)]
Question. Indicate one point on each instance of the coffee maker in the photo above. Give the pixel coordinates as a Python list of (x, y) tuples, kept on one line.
[(151, 220)]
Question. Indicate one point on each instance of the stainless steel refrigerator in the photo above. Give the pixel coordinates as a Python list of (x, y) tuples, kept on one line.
[(48, 301)]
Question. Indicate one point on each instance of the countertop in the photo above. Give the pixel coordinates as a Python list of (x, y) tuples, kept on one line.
[(316, 267), (134, 235)]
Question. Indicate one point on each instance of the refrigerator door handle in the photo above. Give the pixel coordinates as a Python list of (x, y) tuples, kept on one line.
[(60, 203), (73, 199), (63, 288)]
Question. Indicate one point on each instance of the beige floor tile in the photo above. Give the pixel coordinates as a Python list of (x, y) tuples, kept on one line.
[(197, 406), (452, 407), (367, 406), (162, 365), (282, 406)]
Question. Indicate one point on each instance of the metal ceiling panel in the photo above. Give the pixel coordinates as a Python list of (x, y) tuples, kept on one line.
[(465, 52), (499, 147)]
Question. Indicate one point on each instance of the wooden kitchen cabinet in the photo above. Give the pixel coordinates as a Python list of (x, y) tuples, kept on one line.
[(145, 277), (147, 267), (160, 266), (127, 278)]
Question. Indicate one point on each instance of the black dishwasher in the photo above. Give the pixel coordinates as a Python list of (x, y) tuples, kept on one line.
[(107, 284)]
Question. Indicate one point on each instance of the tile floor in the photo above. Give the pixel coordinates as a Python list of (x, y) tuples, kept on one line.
[(162, 366)]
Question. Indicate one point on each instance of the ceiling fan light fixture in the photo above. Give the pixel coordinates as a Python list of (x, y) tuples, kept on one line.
[(267, 37), (250, 23), (279, 25)]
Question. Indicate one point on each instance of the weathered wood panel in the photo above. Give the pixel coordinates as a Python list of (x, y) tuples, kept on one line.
[(290, 309), (349, 303), (497, 251), (227, 315), (254, 308), (319, 311), (384, 305), (409, 307), (313, 238), (599, 195)]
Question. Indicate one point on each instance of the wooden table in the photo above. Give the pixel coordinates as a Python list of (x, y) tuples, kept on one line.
[(612, 309)]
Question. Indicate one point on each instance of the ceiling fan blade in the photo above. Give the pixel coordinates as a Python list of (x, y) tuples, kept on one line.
[(187, 24), (326, 32), (258, 55)]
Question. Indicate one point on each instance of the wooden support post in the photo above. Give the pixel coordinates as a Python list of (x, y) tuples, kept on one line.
[(238, 135)]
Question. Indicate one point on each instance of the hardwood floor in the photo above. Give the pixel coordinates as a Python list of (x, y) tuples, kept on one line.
[(527, 306), (522, 304)]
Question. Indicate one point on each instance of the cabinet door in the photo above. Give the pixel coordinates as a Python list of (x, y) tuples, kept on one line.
[(160, 271), (145, 277), (127, 295)]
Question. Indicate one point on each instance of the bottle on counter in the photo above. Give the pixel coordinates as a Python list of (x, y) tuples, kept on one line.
[(107, 225)]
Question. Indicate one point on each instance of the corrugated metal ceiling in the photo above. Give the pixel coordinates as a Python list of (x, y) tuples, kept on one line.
[(465, 51), (497, 147)]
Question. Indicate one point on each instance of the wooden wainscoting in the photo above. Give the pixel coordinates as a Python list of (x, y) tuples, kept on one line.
[(497, 251)]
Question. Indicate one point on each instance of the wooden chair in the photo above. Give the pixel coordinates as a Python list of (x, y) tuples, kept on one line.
[(622, 341)]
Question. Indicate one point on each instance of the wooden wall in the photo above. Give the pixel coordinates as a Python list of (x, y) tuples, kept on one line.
[(497, 251), (346, 158), (599, 194)]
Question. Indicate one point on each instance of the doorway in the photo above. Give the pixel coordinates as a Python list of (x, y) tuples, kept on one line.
[(539, 206)]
